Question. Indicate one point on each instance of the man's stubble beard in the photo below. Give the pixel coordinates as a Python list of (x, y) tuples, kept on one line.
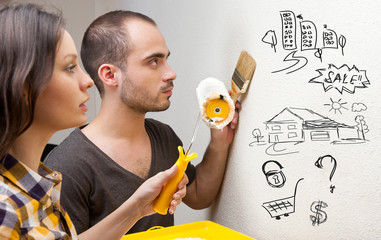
[(140, 100)]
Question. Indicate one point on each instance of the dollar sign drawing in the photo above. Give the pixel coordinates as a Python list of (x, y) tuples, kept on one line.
[(320, 216)]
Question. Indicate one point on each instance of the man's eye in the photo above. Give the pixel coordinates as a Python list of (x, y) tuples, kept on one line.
[(154, 62)]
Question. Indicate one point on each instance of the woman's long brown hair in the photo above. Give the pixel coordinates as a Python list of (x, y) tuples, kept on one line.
[(28, 43)]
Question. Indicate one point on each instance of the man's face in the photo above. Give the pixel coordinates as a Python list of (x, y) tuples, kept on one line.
[(148, 79)]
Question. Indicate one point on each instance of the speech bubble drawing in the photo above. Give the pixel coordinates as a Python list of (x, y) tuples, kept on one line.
[(342, 78)]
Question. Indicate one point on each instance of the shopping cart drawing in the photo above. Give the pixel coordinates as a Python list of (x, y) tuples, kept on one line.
[(281, 207)]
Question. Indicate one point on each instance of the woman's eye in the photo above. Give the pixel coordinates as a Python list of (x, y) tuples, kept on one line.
[(70, 68)]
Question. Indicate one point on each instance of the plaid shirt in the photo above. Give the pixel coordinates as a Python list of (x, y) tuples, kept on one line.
[(29, 203)]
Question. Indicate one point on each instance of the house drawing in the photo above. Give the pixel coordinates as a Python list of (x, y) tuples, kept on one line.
[(300, 125)]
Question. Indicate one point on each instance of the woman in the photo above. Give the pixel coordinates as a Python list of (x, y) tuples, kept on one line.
[(43, 90)]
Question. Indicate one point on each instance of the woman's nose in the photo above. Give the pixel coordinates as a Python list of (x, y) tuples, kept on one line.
[(85, 81)]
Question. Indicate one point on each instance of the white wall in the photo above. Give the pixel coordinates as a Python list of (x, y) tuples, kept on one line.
[(205, 39)]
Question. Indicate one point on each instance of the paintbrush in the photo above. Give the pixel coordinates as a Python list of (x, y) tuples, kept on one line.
[(243, 73)]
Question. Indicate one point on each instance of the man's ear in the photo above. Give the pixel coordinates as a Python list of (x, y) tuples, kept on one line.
[(108, 73)]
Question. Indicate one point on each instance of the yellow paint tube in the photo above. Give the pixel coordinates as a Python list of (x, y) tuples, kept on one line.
[(164, 200)]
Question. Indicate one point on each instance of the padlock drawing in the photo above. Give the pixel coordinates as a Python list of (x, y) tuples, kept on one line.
[(273, 173)]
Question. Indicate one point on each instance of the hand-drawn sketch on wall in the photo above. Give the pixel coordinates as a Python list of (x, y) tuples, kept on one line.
[(301, 44), (362, 127), (273, 173), (320, 215), (342, 42), (283, 148), (342, 78), (301, 125), (319, 164), (294, 126), (270, 38), (257, 134), (330, 40), (300, 62), (359, 107), (288, 30), (308, 35), (336, 106), (332, 188), (281, 207)]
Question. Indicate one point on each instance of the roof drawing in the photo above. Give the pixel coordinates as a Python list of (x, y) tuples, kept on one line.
[(310, 119)]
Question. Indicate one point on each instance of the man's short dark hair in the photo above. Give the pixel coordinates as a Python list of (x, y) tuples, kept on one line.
[(106, 40)]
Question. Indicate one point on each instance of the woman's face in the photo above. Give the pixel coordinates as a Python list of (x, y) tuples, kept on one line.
[(62, 104)]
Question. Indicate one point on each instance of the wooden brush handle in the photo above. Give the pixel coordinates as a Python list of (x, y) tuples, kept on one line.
[(235, 92)]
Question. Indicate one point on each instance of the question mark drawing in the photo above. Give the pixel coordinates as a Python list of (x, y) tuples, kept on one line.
[(319, 164)]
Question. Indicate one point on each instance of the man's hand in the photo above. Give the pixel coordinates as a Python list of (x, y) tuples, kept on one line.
[(151, 188), (225, 136)]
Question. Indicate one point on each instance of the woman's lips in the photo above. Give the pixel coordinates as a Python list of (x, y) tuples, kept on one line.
[(83, 107)]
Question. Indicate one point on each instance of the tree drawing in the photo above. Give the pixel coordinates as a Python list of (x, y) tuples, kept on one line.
[(361, 126), (342, 42), (270, 38), (257, 134)]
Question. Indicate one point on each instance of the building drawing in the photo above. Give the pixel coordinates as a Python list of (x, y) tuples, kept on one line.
[(300, 125)]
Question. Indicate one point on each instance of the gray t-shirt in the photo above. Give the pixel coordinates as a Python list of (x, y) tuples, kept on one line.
[(94, 185)]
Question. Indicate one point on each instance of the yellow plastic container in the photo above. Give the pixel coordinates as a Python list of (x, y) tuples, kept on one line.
[(207, 230)]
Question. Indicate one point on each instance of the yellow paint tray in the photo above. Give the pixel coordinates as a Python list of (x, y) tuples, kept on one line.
[(207, 230)]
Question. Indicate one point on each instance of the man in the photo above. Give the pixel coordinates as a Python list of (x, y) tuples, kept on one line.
[(126, 56)]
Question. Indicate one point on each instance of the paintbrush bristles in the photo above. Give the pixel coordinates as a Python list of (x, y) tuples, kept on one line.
[(243, 74), (246, 65)]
